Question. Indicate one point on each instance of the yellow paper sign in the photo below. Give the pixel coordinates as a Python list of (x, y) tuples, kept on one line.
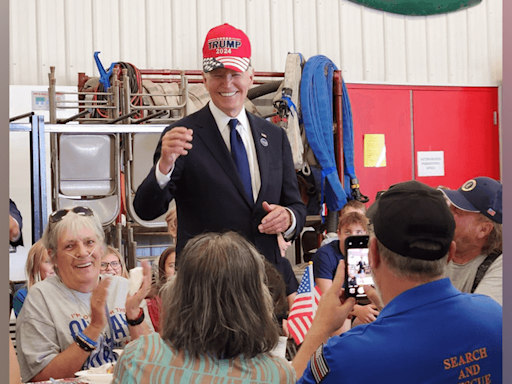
[(374, 150)]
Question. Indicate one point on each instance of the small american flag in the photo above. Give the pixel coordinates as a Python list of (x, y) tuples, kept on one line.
[(304, 306)]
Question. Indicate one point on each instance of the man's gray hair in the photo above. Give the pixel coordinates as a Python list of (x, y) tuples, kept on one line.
[(411, 268), (495, 240)]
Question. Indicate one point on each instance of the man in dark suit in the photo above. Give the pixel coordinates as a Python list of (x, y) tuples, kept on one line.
[(15, 225), (227, 169)]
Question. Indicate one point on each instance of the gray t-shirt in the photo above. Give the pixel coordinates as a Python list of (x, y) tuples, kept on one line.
[(53, 314), (463, 276)]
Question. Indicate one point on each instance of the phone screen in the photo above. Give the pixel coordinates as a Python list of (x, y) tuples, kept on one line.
[(358, 271)]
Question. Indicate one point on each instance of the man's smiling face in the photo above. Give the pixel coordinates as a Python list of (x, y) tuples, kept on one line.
[(228, 88)]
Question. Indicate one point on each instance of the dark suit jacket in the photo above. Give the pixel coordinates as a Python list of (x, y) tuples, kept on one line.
[(208, 190), (14, 212)]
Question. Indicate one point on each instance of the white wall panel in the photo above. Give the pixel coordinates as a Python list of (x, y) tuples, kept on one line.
[(394, 48), (159, 35), (79, 38), (105, 35), (374, 67), (351, 41), (282, 38), (329, 35), (416, 48), (259, 30), (495, 35), (186, 46), (478, 54), (305, 27), (234, 12), (132, 32), (459, 48), (437, 49), (23, 47)]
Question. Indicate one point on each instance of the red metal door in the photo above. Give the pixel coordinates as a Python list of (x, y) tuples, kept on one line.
[(461, 123), (382, 110)]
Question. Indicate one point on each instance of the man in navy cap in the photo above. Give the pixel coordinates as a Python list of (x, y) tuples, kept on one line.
[(427, 331), (477, 265)]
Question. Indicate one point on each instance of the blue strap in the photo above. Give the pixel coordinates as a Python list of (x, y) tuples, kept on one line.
[(290, 103)]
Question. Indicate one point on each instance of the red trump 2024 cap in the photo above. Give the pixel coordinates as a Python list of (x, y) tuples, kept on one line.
[(226, 47)]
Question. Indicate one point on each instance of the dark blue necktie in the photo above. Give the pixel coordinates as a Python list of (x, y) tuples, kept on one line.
[(240, 157)]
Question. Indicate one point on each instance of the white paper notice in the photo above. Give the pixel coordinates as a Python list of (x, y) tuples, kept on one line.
[(430, 163)]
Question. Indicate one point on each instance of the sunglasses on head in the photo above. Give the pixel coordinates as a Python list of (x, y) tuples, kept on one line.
[(58, 215)]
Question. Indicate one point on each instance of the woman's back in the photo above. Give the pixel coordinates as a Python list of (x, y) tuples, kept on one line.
[(217, 321), (150, 359)]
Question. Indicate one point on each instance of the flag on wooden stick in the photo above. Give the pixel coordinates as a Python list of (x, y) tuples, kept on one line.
[(304, 306)]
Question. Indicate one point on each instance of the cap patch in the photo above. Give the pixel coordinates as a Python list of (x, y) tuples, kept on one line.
[(469, 185), (224, 45)]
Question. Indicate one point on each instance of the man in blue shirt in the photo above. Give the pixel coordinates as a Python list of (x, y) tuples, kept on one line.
[(427, 331)]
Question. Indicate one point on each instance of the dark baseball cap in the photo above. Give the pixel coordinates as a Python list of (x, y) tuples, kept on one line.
[(412, 212), (481, 194)]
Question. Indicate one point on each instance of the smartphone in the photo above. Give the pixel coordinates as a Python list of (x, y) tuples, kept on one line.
[(357, 267)]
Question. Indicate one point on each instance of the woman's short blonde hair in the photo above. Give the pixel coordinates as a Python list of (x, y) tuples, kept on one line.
[(218, 304)]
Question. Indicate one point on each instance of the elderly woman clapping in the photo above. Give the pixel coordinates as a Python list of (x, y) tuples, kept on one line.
[(74, 320), (217, 323)]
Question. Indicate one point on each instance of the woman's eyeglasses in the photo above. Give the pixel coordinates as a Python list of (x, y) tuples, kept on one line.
[(113, 264), (57, 216)]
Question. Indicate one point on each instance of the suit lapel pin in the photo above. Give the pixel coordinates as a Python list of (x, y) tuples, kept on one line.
[(263, 140)]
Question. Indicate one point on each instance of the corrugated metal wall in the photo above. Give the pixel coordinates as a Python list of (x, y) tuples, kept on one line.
[(460, 48)]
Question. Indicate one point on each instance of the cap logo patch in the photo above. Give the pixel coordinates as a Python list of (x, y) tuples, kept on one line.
[(224, 45), (491, 212), (469, 185)]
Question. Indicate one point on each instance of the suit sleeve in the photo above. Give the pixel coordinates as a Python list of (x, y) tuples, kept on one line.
[(151, 201)]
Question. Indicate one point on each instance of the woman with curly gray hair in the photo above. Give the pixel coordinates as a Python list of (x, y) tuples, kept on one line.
[(217, 325)]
